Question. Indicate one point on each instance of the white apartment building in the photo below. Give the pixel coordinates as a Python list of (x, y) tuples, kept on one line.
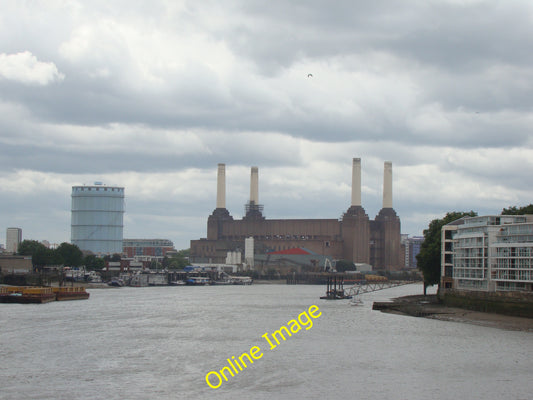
[(488, 253)]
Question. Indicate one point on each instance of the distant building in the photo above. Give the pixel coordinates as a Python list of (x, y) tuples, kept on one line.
[(13, 239), (412, 248), (154, 248), (11, 264), (488, 253), (354, 237), (49, 245), (97, 218)]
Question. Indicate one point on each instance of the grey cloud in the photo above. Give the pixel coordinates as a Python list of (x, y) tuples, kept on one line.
[(410, 82)]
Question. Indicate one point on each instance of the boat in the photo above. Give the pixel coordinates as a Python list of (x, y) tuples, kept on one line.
[(139, 280), (241, 280), (223, 282), (92, 277), (70, 293), (116, 282), (157, 279), (356, 301), (26, 295), (73, 275), (177, 283), (197, 280)]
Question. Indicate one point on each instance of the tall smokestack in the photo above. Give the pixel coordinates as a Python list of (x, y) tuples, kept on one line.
[(254, 186), (221, 186), (356, 182), (387, 185)]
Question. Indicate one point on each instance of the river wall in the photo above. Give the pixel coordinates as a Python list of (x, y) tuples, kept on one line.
[(518, 304)]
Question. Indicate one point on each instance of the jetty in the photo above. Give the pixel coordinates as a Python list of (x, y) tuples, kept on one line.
[(335, 289), (335, 286)]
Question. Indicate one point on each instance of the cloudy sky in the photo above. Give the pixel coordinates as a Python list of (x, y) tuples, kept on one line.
[(152, 95)]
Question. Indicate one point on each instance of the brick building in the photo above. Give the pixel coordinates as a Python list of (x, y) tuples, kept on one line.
[(354, 237)]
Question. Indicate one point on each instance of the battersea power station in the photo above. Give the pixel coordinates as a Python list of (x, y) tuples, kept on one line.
[(354, 237)]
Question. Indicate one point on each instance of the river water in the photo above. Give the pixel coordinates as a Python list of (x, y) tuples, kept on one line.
[(160, 342)]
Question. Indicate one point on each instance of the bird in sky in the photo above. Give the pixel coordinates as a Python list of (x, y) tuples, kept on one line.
[(309, 75)]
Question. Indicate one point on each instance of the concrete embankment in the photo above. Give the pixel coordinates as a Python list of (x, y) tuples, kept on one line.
[(517, 304)]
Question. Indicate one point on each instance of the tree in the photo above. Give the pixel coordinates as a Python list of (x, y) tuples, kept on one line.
[(428, 260), (518, 211), (94, 263), (71, 254), (154, 264), (40, 254), (30, 247), (178, 261), (115, 257)]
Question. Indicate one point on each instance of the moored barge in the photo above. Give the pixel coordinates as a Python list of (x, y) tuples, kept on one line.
[(70, 293), (25, 295)]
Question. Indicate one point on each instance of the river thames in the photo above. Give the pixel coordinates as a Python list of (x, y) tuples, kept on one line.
[(160, 342)]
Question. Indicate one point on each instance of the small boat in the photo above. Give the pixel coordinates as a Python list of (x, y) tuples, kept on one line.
[(197, 281), (241, 280), (92, 277), (177, 283), (116, 282), (356, 301), (223, 282)]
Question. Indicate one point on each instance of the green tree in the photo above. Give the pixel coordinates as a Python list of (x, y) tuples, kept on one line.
[(94, 263), (154, 264), (428, 260), (71, 254), (30, 247), (40, 254), (178, 261), (114, 258), (518, 210)]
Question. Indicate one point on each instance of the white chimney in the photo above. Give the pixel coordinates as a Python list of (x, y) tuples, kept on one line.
[(356, 182), (254, 186), (221, 186), (387, 185)]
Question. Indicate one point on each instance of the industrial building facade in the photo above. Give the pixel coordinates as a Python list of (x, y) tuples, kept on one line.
[(354, 237), (488, 253)]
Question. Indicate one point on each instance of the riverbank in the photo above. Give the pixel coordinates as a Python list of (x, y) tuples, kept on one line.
[(430, 307)]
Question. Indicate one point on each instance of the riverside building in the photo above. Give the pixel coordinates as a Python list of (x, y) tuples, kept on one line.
[(147, 248), (354, 237), (488, 253)]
